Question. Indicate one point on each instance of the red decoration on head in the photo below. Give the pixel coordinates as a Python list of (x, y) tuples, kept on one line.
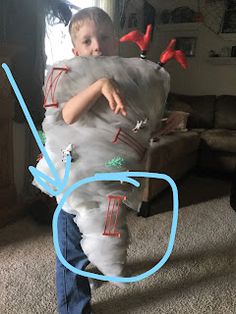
[(170, 53), (142, 40)]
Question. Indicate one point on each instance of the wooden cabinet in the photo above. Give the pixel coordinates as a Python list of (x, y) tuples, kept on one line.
[(8, 196)]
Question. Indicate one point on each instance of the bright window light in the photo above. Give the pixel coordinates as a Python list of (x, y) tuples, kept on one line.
[(58, 44)]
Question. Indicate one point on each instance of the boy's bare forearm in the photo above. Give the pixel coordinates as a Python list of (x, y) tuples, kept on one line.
[(81, 102), (87, 98)]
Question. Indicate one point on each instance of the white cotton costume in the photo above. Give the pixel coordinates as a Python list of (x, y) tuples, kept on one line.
[(144, 86)]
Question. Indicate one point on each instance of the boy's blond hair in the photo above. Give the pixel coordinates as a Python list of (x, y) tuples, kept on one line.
[(95, 14)]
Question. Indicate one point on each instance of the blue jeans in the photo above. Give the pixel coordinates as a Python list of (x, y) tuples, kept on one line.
[(73, 291)]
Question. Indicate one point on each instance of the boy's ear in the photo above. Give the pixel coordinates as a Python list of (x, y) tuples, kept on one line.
[(75, 52)]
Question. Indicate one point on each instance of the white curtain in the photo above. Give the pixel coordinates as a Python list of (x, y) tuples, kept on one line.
[(106, 5)]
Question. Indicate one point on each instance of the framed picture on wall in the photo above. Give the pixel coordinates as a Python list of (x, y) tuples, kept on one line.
[(136, 15), (187, 45), (229, 21)]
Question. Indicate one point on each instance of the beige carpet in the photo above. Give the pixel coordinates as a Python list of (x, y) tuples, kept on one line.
[(200, 276)]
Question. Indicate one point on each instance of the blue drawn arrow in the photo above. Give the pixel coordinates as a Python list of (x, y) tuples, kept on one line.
[(125, 177), (57, 183)]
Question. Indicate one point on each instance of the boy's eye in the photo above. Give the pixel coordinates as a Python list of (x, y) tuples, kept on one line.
[(86, 41)]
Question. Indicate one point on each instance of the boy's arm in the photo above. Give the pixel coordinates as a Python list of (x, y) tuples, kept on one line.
[(87, 98)]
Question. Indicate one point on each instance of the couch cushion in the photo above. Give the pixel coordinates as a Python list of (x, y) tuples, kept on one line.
[(201, 109), (220, 162), (225, 112), (171, 147), (175, 169), (219, 140)]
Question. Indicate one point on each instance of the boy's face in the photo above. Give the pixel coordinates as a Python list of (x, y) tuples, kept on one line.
[(92, 40)]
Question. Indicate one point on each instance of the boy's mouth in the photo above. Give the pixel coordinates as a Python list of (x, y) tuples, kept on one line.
[(98, 54)]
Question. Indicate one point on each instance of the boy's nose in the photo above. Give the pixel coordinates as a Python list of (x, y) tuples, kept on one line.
[(97, 48)]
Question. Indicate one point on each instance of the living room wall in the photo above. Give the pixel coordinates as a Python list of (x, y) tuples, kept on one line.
[(201, 77), (23, 26), (20, 31)]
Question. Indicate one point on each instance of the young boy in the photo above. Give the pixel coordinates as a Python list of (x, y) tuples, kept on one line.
[(92, 34), (89, 39)]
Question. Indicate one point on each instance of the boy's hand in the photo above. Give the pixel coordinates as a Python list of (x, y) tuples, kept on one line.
[(111, 92)]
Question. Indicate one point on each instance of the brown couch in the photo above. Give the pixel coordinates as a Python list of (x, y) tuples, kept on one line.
[(209, 143)]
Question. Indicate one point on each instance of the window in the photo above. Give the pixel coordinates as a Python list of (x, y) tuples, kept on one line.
[(58, 44), (229, 22)]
